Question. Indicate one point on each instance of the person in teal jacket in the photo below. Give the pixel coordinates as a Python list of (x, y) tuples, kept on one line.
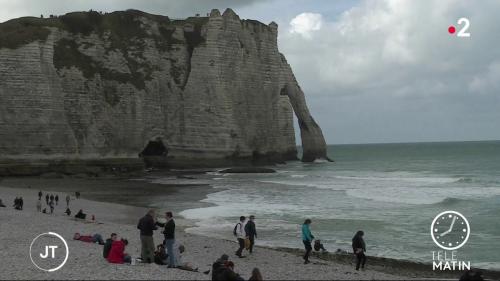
[(307, 238)]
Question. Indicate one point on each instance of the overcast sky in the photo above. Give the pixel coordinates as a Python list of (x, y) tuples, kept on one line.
[(372, 71)]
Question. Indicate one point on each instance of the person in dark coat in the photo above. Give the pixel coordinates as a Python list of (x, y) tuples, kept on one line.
[(47, 198), (21, 202), (218, 266), (52, 197), (251, 232), (80, 215), (359, 249), (40, 195), (147, 225), (169, 233), (57, 198)]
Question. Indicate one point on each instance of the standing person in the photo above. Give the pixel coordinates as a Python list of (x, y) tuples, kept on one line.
[(51, 205), (47, 198), (169, 233), (251, 232), (239, 232), (40, 195), (77, 195), (52, 198), (359, 249), (39, 205), (307, 238), (57, 199), (21, 202), (67, 200), (147, 225)]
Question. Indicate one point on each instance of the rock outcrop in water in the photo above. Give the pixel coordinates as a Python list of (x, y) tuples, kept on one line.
[(202, 91)]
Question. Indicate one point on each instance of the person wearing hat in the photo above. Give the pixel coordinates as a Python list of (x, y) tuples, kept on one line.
[(251, 232)]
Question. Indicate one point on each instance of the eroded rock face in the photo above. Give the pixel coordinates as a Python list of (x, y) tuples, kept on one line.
[(103, 86)]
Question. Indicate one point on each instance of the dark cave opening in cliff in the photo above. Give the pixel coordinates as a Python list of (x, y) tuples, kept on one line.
[(154, 153)]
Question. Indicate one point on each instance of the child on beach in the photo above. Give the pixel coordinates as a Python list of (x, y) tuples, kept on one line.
[(359, 249), (319, 246)]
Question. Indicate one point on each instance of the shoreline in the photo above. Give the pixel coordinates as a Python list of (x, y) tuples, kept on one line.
[(86, 262), (377, 265)]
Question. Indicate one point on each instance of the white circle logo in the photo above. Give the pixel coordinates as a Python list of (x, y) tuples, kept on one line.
[(450, 230), (47, 251)]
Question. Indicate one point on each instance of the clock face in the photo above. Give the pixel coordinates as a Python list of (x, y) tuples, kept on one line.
[(450, 230)]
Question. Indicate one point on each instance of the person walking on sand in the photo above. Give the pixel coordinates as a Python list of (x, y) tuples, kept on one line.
[(21, 202), (39, 205), (251, 232), (169, 233), (307, 238), (67, 200), (146, 226), (239, 232), (51, 205), (47, 198), (40, 195), (57, 199), (51, 198), (359, 249)]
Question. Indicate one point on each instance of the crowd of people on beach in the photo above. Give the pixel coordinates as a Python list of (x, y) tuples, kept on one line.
[(169, 253)]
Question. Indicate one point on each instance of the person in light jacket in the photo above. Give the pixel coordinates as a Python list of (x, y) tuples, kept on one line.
[(307, 238), (239, 231)]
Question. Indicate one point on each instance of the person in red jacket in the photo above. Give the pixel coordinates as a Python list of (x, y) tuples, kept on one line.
[(117, 253), (96, 238)]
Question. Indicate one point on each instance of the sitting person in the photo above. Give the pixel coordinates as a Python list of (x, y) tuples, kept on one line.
[(256, 276), (319, 246), (80, 215), (17, 204), (161, 255), (117, 253), (218, 266), (68, 212), (227, 273), (108, 244), (1, 204), (178, 260), (96, 238)]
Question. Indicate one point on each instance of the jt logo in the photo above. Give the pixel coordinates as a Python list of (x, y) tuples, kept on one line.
[(53, 248)]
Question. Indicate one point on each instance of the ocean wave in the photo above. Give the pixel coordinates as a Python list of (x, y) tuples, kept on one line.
[(430, 180), (423, 196)]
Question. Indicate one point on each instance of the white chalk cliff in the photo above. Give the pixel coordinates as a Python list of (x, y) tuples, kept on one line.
[(91, 86)]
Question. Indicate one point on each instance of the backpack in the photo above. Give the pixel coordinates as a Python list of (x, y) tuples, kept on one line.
[(235, 227)]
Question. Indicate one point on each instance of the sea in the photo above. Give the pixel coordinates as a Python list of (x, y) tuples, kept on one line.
[(390, 191)]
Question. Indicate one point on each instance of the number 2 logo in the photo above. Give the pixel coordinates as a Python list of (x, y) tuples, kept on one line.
[(463, 32)]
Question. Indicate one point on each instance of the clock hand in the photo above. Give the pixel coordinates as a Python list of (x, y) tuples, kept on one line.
[(452, 223), (445, 233)]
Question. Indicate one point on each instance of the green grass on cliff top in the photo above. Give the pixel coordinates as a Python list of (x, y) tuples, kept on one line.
[(121, 24)]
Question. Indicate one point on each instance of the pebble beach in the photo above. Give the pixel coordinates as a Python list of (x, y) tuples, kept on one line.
[(85, 261)]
